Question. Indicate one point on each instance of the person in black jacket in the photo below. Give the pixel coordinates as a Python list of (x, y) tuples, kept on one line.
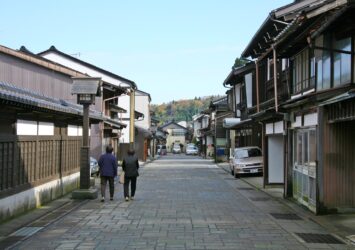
[(130, 166), (108, 171)]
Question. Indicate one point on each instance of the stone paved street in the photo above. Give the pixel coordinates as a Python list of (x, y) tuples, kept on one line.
[(181, 203)]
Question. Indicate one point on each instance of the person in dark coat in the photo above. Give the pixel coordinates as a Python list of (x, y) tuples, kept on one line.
[(130, 166), (108, 171)]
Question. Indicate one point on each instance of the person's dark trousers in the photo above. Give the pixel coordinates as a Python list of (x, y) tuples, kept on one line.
[(133, 181), (104, 180)]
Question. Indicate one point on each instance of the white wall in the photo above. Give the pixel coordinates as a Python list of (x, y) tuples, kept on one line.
[(142, 105), (205, 121), (37, 196), (124, 102), (141, 101), (197, 126), (183, 123), (83, 69), (173, 139), (209, 140), (96, 135)]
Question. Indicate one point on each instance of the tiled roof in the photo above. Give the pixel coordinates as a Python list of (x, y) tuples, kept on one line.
[(33, 99), (55, 50), (28, 98)]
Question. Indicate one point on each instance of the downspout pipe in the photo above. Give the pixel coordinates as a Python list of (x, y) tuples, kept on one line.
[(275, 79), (257, 85)]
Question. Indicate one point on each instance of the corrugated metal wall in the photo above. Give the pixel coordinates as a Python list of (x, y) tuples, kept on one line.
[(339, 164)]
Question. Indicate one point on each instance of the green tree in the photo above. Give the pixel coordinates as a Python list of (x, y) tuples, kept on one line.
[(239, 62)]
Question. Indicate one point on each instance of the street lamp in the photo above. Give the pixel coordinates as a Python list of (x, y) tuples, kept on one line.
[(86, 89)]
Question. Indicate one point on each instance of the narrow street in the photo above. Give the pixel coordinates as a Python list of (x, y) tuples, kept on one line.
[(182, 202)]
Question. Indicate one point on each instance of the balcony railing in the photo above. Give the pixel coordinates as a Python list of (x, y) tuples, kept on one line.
[(283, 90)]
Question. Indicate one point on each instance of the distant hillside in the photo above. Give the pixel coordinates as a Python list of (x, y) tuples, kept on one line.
[(181, 110)]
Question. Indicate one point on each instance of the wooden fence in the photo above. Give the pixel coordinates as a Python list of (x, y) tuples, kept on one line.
[(28, 161)]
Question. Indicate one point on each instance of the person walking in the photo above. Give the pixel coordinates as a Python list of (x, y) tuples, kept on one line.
[(108, 171), (130, 166)]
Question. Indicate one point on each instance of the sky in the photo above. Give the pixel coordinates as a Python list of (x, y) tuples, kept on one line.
[(171, 49)]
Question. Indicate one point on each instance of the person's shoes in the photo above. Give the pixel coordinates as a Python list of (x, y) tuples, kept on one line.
[(111, 199), (132, 198), (127, 199), (102, 199)]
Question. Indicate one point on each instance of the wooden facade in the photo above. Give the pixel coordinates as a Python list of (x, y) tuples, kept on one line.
[(305, 72), (29, 161), (338, 159)]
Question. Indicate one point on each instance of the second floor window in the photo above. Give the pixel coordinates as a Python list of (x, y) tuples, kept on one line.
[(333, 58), (303, 72), (342, 61), (178, 132)]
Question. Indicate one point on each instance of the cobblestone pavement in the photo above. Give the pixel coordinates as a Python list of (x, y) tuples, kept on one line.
[(181, 203)]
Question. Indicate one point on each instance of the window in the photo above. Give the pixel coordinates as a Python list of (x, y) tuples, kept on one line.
[(74, 130), (342, 62), (26, 127), (246, 153), (178, 132), (333, 54), (303, 71), (323, 63), (249, 89), (305, 148), (45, 128)]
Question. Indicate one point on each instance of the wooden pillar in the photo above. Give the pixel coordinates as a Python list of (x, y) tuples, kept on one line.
[(257, 86), (131, 119), (275, 80), (85, 152)]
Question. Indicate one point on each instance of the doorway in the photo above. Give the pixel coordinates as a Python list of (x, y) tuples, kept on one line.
[(275, 159), (304, 167)]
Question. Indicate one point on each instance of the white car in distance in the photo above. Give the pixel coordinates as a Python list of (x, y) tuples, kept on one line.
[(191, 150)]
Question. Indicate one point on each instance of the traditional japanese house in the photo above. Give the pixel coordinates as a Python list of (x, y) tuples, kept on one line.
[(39, 148), (206, 134), (115, 102), (242, 101), (38, 133), (218, 112), (304, 58), (272, 78), (320, 164)]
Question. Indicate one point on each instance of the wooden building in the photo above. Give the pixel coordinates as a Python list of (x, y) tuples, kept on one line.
[(41, 129), (39, 148), (27, 70), (242, 99), (118, 95), (304, 83)]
